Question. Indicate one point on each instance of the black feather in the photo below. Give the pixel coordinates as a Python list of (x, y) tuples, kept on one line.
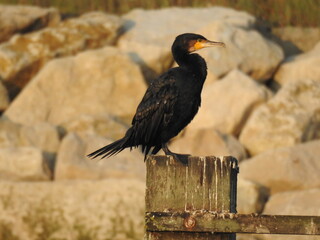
[(110, 149)]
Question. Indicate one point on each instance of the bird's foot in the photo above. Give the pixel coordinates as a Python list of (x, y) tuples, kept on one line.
[(183, 158)]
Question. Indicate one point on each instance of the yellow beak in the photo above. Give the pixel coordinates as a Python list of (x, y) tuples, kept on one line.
[(206, 43)]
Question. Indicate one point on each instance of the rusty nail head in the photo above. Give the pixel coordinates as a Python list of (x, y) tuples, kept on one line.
[(189, 222)]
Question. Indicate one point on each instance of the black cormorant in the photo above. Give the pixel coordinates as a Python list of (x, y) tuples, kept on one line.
[(170, 102)]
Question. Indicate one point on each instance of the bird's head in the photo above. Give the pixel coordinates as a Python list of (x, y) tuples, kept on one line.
[(191, 42)]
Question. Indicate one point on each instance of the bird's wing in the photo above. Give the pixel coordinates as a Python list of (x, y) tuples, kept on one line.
[(156, 109)]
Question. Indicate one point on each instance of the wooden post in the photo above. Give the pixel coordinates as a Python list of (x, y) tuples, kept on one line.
[(205, 184)]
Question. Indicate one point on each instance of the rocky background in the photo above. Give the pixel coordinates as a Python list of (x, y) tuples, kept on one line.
[(68, 87)]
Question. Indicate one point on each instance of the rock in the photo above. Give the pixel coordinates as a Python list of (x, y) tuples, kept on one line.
[(294, 203), (93, 82), (285, 169), (4, 98), (208, 142), (288, 47), (108, 209), (246, 50), (22, 19), (148, 34), (24, 55), (251, 197), (305, 38), (43, 136), (227, 104), (104, 125), (23, 163), (9, 134), (291, 117), (300, 67), (72, 162)]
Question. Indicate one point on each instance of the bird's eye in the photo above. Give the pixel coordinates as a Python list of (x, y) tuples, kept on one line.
[(199, 40)]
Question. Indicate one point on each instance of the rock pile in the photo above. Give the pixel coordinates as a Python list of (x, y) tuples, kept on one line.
[(81, 82), (23, 55), (22, 19)]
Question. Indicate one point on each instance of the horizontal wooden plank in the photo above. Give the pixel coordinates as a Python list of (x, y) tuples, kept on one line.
[(201, 221)]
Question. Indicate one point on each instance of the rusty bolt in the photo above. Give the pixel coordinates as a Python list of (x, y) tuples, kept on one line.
[(189, 222)]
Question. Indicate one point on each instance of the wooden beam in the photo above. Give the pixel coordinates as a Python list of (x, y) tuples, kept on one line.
[(204, 184), (187, 236), (199, 221)]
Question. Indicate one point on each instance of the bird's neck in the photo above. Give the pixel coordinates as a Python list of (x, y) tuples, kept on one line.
[(193, 63)]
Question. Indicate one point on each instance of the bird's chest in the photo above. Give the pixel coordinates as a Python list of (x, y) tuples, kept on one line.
[(188, 103), (189, 91)]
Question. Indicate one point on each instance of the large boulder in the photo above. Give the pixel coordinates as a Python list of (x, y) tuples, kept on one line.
[(208, 142), (303, 37), (9, 134), (294, 203), (93, 82), (108, 209), (21, 19), (227, 104), (300, 67), (291, 117), (43, 136), (24, 55), (23, 163), (246, 49), (251, 196), (148, 34), (72, 162), (32, 146), (104, 125), (286, 168)]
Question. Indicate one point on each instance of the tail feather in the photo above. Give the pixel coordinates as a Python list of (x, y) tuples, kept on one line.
[(110, 150)]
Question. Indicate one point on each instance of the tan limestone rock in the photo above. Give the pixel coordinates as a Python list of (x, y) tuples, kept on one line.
[(285, 169), (108, 209), (148, 34), (303, 37), (226, 104), (302, 202), (251, 196), (246, 49), (72, 162), (20, 19), (23, 163), (208, 142), (300, 67), (93, 82), (43, 136), (291, 117), (23, 56), (104, 125), (294, 203)]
